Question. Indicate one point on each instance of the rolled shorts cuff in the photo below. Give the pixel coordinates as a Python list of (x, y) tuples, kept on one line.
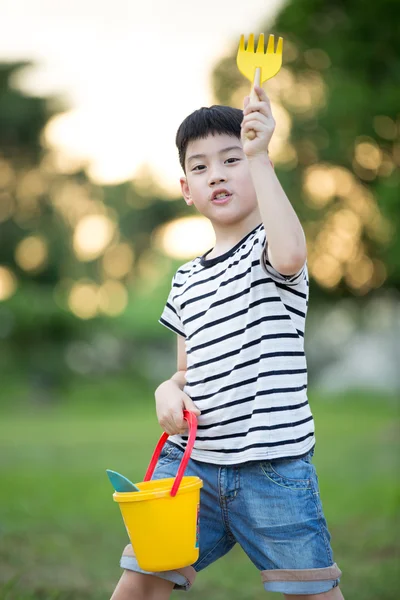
[(301, 581), (182, 578)]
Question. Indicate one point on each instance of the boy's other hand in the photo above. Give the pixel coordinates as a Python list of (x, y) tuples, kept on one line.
[(171, 401), (257, 116)]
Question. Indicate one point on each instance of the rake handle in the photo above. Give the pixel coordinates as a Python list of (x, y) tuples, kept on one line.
[(254, 97)]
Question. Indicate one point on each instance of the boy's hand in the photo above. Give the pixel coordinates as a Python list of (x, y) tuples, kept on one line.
[(257, 116), (171, 401)]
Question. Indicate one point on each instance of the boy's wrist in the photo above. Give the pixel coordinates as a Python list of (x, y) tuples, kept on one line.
[(179, 378), (260, 159)]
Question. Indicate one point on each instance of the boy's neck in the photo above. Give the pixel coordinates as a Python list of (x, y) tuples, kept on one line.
[(227, 236)]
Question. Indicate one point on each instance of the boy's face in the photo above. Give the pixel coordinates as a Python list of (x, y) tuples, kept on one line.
[(219, 163)]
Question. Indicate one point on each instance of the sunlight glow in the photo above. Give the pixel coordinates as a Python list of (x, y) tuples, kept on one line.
[(327, 270), (319, 184), (126, 71), (92, 235), (185, 238)]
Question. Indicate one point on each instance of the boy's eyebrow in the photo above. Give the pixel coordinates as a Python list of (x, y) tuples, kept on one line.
[(228, 149)]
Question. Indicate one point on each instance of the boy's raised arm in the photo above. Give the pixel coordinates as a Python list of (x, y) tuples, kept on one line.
[(287, 249)]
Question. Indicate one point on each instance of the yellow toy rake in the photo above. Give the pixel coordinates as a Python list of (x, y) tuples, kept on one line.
[(258, 66)]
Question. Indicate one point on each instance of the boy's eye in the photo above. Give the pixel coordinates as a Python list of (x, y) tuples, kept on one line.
[(230, 161)]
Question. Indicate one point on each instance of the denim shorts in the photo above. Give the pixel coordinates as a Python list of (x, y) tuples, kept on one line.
[(272, 509)]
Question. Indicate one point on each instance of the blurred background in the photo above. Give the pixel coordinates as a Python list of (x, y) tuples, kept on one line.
[(92, 228)]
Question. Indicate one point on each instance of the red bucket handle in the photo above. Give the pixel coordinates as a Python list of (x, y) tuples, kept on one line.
[(192, 421)]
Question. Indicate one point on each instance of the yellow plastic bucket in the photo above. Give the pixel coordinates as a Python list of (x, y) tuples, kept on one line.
[(162, 518)]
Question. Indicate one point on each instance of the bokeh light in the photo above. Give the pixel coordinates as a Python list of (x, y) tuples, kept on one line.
[(7, 174), (83, 299), (31, 253), (8, 283), (368, 154), (281, 151), (112, 298), (327, 270), (118, 261), (319, 185), (92, 235), (385, 127), (317, 59), (30, 184), (359, 273), (6, 206), (87, 299)]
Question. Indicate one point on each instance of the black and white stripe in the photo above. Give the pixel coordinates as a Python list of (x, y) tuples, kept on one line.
[(243, 324)]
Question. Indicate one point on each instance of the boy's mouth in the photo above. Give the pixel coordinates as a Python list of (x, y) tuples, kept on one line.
[(221, 196)]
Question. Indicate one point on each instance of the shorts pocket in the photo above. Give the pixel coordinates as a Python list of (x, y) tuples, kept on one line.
[(294, 473), (169, 453)]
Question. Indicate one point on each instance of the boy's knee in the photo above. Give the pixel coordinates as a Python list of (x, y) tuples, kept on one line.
[(139, 586)]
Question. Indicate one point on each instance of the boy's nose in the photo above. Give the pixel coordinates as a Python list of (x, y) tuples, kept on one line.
[(216, 179)]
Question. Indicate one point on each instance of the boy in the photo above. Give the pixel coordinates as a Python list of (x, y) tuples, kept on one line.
[(239, 313)]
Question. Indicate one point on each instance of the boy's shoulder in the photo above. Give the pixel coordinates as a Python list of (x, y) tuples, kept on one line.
[(184, 270), (198, 264)]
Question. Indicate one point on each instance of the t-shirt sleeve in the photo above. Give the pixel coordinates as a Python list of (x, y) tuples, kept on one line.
[(273, 273), (170, 316)]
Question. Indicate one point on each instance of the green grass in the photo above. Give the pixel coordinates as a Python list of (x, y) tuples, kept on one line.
[(61, 534)]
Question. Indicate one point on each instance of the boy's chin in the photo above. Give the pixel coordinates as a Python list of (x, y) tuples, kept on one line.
[(227, 219)]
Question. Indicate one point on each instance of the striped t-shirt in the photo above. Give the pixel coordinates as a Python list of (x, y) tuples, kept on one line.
[(243, 324)]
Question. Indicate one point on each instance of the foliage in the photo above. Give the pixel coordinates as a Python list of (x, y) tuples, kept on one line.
[(41, 208), (336, 149), (336, 102), (38, 199)]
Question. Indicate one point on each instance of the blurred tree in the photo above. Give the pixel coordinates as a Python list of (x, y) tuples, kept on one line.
[(56, 226), (69, 248), (336, 146)]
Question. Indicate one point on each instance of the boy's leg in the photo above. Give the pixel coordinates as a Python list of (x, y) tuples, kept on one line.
[(276, 515), (334, 594), (138, 586), (214, 540)]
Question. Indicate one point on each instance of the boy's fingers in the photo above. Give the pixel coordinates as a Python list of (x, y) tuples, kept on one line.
[(257, 116), (261, 93), (255, 125), (190, 405), (260, 107), (179, 421), (256, 107), (263, 96)]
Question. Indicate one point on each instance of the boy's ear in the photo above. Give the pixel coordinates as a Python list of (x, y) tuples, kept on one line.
[(186, 191)]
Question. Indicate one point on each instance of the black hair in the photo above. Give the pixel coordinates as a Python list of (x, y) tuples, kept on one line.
[(207, 121)]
